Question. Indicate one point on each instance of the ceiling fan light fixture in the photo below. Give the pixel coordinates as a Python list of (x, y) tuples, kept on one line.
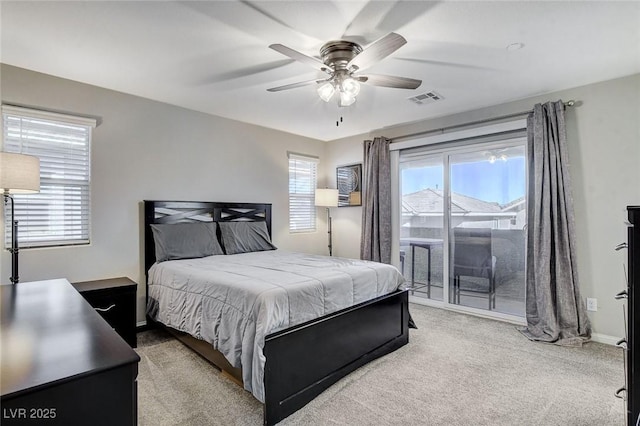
[(346, 99), (350, 86), (340, 59), (493, 156), (326, 91)]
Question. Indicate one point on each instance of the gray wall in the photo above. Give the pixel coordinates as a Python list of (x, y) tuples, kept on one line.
[(604, 149), (144, 149)]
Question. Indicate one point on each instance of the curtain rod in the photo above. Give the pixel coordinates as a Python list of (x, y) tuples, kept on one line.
[(472, 123)]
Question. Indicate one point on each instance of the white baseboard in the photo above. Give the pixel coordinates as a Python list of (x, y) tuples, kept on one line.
[(604, 338), (141, 323)]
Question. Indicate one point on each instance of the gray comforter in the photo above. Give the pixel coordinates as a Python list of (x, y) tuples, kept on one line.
[(234, 301)]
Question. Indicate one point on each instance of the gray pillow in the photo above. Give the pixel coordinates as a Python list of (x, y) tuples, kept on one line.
[(245, 237), (185, 240)]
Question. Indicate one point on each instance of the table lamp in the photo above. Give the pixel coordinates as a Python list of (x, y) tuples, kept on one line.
[(327, 198), (19, 174)]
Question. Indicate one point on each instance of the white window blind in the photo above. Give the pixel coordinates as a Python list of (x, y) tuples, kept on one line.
[(60, 213), (303, 179)]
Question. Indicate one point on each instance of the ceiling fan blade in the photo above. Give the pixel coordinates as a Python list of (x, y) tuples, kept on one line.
[(403, 13), (246, 72), (294, 85), (390, 81), (301, 57), (377, 18), (363, 28), (377, 51), (307, 18)]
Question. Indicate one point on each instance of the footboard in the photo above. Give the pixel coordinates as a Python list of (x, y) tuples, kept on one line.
[(305, 360)]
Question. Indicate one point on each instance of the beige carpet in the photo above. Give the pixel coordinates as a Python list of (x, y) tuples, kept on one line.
[(456, 370)]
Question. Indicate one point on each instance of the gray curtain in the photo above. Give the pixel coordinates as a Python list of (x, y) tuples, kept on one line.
[(554, 308), (376, 204)]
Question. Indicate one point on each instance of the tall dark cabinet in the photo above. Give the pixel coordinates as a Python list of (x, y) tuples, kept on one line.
[(632, 294)]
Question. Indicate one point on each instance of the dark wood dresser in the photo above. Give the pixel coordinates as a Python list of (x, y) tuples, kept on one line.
[(632, 352), (62, 363), (115, 300)]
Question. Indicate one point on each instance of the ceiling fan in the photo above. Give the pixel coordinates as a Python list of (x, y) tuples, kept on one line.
[(343, 61)]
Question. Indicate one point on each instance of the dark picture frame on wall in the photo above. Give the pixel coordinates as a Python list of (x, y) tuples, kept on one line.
[(349, 182)]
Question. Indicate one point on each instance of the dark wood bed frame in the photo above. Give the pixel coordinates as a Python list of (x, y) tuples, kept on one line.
[(304, 360)]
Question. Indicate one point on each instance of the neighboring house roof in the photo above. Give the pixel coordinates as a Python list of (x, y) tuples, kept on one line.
[(431, 201), (515, 206)]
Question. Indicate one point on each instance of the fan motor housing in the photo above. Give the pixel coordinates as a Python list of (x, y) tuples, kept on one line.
[(338, 53)]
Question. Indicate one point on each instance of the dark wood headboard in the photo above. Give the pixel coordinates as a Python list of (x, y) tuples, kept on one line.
[(197, 211)]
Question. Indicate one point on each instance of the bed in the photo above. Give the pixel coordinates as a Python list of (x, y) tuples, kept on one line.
[(293, 334)]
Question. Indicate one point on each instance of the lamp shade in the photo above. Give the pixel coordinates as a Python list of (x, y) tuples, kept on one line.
[(326, 197), (19, 173)]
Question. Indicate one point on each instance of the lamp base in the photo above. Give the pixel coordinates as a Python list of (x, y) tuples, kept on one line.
[(15, 279), (329, 231)]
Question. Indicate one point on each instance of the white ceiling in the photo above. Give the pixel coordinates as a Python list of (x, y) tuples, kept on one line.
[(213, 56)]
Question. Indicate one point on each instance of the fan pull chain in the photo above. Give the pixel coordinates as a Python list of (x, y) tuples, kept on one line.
[(338, 122)]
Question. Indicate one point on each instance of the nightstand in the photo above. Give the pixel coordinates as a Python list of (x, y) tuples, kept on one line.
[(115, 300)]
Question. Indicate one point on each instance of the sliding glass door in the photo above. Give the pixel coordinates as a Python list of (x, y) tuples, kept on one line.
[(462, 225), (487, 228)]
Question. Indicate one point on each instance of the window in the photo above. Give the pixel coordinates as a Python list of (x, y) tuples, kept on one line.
[(60, 213), (302, 186)]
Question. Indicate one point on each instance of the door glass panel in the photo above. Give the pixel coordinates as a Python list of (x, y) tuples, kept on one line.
[(421, 224), (487, 216)]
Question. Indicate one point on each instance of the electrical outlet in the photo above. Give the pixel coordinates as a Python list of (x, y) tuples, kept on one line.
[(592, 304)]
